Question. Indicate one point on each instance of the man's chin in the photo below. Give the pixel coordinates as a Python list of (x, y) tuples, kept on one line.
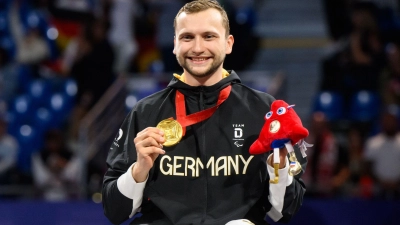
[(199, 72)]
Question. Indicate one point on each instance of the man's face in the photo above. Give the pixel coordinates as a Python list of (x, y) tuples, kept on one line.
[(200, 43)]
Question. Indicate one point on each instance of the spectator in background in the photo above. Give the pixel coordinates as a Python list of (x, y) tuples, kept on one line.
[(355, 151), (56, 170), (145, 34), (89, 60), (358, 183), (8, 152), (165, 11), (358, 63), (390, 78), (31, 47), (382, 156), (327, 166), (93, 62), (337, 18), (121, 33), (8, 77), (242, 18)]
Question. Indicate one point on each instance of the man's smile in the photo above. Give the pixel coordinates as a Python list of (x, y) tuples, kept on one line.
[(198, 60)]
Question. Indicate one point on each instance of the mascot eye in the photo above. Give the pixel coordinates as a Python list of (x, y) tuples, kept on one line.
[(281, 110), (268, 115)]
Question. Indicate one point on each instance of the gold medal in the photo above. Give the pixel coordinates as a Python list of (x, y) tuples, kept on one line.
[(172, 131)]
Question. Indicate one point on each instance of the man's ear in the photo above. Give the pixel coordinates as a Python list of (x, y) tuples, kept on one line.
[(174, 51), (229, 44)]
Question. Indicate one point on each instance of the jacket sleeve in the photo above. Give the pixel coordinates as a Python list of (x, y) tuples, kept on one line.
[(283, 204), (122, 154)]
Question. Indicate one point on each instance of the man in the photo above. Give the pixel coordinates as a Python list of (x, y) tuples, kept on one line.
[(209, 177), (382, 154)]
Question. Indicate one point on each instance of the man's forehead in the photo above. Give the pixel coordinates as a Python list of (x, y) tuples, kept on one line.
[(213, 17), (208, 14)]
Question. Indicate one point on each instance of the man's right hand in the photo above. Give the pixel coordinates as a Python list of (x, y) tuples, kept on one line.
[(148, 143)]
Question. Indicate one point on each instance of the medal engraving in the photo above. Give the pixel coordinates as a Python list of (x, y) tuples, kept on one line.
[(172, 131)]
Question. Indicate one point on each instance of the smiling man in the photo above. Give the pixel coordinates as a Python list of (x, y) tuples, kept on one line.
[(204, 174), (201, 44)]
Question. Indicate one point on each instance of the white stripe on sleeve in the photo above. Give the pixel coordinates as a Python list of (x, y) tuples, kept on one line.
[(277, 191), (130, 189)]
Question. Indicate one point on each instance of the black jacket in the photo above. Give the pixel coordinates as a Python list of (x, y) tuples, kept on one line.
[(209, 177)]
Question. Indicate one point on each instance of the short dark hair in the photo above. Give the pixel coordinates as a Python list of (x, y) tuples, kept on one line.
[(202, 5)]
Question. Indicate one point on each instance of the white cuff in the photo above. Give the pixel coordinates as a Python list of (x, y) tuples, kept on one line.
[(128, 186), (130, 189), (277, 191)]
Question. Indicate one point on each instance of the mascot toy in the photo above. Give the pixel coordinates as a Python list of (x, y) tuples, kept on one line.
[(282, 128)]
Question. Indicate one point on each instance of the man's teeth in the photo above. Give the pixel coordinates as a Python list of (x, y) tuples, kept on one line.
[(199, 59)]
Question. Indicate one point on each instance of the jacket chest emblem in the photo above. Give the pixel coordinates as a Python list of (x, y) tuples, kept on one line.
[(238, 130)]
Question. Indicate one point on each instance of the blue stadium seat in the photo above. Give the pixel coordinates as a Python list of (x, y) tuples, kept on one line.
[(70, 89), (13, 122), (29, 142), (60, 107), (39, 91), (330, 103), (364, 106), (44, 120), (22, 108), (25, 77)]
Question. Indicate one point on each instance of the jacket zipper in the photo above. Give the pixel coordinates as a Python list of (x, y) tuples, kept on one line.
[(202, 147)]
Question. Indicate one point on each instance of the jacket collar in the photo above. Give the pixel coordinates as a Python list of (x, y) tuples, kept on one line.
[(176, 83)]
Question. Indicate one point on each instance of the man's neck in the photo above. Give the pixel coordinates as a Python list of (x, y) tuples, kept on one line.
[(206, 81), (203, 81)]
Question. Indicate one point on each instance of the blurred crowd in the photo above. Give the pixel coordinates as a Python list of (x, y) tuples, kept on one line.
[(355, 116), (58, 58)]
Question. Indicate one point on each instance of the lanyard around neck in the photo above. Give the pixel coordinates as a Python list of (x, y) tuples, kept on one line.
[(187, 120)]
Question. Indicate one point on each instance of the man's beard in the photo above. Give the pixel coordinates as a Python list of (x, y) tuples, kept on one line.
[(211, 70)]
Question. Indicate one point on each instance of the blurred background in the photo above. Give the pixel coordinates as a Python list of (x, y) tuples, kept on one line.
[(70, 71)]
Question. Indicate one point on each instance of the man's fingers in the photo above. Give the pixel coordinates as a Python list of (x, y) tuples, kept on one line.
[(152, 150), (152, 132), (151, 141), (149, 146)]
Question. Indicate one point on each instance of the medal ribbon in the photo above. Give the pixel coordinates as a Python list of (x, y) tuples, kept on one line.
[(187, 120)]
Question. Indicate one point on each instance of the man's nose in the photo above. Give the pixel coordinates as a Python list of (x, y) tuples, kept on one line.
[(198, 45)]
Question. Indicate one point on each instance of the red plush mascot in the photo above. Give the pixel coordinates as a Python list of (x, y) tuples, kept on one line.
[(282, 128)]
